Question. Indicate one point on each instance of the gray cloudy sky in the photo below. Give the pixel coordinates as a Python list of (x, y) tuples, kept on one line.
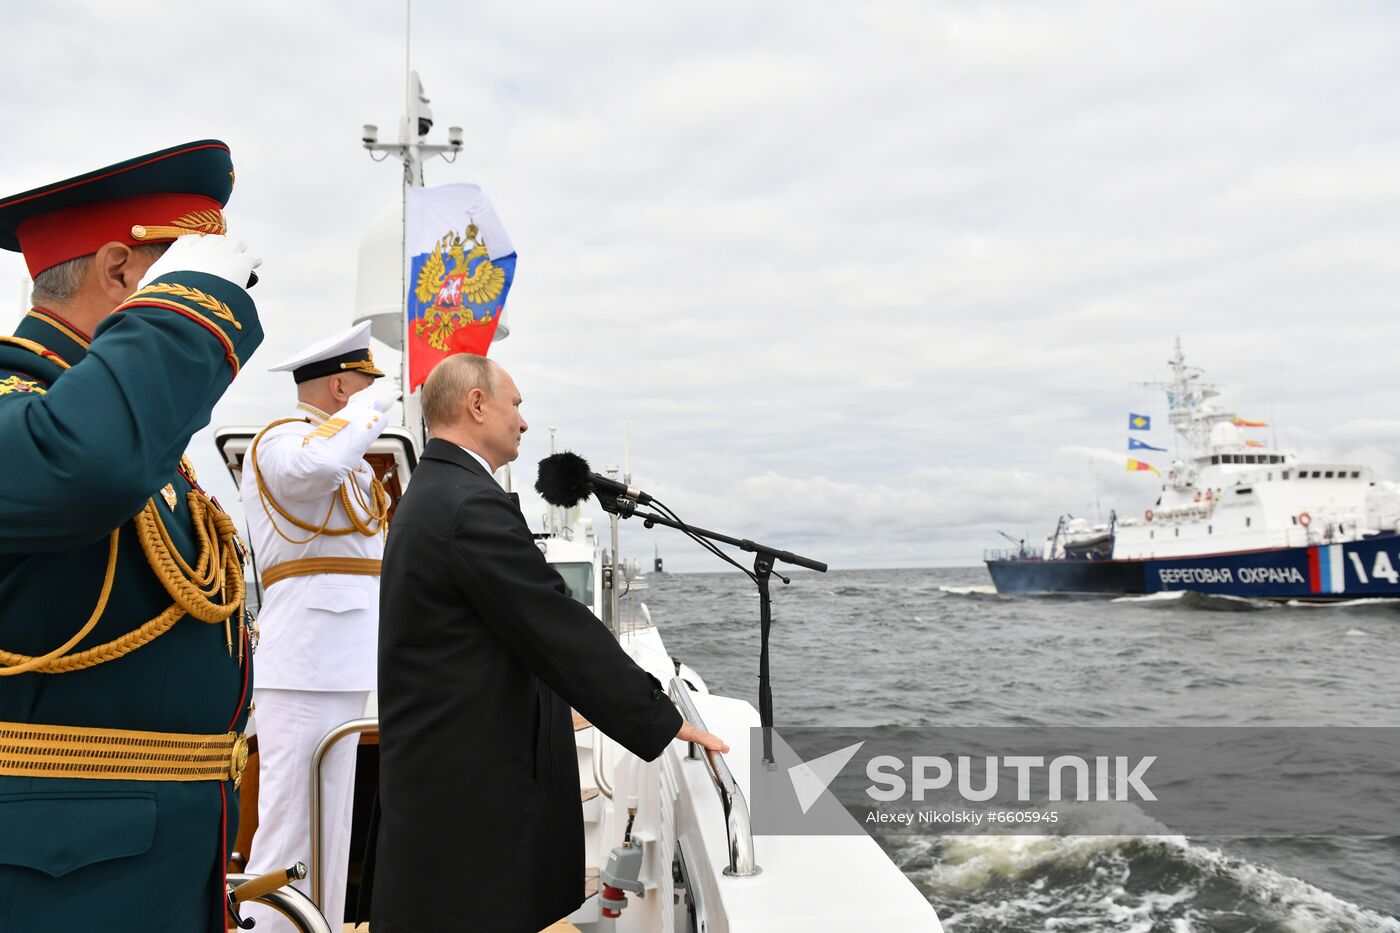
[(868, 280)]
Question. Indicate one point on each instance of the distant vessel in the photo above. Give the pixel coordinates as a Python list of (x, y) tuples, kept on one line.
[(1233, 517), (656, 564)]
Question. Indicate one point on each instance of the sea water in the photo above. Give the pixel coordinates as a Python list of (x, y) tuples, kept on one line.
[(940, 647)]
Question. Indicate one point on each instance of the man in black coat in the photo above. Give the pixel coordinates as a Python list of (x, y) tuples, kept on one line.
[(481, 654)]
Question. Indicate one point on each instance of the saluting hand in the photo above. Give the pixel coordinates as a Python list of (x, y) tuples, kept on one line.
[(223, 256), (702, 738)]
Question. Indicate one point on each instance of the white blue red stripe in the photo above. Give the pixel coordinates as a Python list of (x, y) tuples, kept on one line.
[(1326, 570)]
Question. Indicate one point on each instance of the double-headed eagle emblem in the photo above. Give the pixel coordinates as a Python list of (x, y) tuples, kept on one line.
[(21, 385), (455, 280)]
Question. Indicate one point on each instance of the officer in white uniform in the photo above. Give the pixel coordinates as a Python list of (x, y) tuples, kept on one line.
[(317, 518)]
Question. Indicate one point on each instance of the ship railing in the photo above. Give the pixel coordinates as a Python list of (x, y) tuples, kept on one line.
[(355, 727), (742, 862), (1010, 553)]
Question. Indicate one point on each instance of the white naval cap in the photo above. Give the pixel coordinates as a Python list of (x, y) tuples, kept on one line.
[(347, 351)]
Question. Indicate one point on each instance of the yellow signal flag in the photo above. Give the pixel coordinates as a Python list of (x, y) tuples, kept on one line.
[(1140, 466)]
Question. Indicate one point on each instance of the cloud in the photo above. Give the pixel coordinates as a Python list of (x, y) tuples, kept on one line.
[(869, 279)]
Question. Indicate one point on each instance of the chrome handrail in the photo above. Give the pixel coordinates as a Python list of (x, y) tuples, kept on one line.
[(742, 863), (290, 903), (604, 786), (318, 843)]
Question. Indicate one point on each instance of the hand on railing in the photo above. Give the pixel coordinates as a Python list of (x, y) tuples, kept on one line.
[(702, 738)]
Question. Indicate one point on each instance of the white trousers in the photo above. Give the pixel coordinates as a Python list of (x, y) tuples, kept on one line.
[(290, 724)]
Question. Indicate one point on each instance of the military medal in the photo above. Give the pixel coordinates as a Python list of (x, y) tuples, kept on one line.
[(167, 493)]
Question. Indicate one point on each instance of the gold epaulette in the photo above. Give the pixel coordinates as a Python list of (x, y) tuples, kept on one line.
[(325, 430)]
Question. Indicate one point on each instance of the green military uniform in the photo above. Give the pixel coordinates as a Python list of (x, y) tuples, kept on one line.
[(101, 829)]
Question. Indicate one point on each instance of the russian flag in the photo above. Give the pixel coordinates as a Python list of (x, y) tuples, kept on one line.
[(461, 265)]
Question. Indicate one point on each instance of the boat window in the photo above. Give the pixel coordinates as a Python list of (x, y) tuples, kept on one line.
[(1215, 459), (1210, 529), (578, 581), (1329, 475), (1271, 476), (1355, 474), (1176, 532), (1285, 474), (1248, 522), (1152, 534)]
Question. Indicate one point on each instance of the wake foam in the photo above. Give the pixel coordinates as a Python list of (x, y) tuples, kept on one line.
[(1148, 881), (1189, 599)]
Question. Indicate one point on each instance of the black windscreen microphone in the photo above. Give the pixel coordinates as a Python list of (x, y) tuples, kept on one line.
[(566, 480)]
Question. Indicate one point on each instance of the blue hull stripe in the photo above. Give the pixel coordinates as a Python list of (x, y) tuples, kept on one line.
[(1352, 570)]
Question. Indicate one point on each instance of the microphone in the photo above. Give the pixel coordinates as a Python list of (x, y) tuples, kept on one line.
[(566, 480)]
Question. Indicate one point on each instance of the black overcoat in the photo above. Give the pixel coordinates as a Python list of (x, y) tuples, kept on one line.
[(481, 654)]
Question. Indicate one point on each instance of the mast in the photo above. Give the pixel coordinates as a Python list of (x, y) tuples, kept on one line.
[(412, 149), (1189, 409)]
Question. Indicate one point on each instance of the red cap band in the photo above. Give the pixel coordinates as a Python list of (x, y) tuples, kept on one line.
[(58, 236)]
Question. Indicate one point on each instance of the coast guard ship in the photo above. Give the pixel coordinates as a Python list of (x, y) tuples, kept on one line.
[(1233, 517)]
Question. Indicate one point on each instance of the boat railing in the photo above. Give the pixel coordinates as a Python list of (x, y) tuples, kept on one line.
[(354, 727), (1009, 553), (286, 900), (738, 828)]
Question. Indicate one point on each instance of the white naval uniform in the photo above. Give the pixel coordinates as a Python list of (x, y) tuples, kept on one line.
[(316, 658)]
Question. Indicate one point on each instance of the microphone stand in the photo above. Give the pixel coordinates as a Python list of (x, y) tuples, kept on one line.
[(764, 558)]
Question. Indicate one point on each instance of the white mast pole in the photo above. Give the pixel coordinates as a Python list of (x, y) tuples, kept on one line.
[(412, 403), (411, 149)]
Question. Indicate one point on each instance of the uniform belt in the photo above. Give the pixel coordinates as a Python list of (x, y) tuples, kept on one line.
[(307, 566), (40, 750)]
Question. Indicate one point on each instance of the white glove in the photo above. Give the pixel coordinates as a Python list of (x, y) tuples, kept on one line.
[(379, 395), (227, 258)]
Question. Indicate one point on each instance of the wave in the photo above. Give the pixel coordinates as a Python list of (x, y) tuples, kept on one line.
[(985, 591), (1190, 599), (1135, 876), (1383, 603)]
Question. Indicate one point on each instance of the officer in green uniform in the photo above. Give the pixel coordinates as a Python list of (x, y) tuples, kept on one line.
[(124, 662)]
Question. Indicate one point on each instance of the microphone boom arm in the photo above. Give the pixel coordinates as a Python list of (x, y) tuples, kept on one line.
[(762, 569), (627, 508)]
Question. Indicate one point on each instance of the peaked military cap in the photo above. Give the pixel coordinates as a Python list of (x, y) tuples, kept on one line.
[(152, 198), (347, 351)]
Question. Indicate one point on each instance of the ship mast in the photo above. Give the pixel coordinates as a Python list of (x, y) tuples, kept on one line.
[(1188, 404), (412, 149)]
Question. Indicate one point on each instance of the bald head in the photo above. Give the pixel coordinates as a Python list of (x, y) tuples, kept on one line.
[(470, 401)]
